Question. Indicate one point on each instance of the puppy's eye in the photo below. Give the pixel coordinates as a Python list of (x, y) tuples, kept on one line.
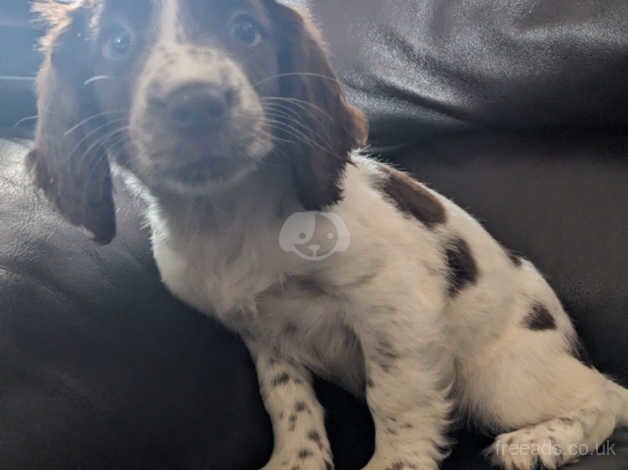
[(246, 30), (118, 44)]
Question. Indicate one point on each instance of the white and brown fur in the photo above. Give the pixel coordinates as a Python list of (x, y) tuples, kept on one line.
[(425, 314)]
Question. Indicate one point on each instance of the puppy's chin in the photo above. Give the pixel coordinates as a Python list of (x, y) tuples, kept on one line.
[(197, 173), (198, 183), (172, 161)]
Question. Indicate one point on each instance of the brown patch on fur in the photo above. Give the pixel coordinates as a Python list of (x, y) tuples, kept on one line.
[(514, 258), (332, 126), (281, 379), (539, 318), (463, 270), (290, 329), (305, 454), (316, 438), (301, 406), (73, 173), (292, 422), (413, 198)]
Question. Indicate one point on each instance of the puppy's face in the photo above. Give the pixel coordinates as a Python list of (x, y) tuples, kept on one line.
[(192, 96), (193, 77)]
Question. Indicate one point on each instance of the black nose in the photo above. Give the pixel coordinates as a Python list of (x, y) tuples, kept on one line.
[(198, 108)]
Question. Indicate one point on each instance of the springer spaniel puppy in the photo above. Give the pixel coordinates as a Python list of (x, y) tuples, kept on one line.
[(227, 117)]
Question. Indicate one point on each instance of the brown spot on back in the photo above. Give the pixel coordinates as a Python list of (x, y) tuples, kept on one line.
[(461, 265), (413, 198), (316, 437), (539, 318), (300, 407), (292, 420), (514, 258)]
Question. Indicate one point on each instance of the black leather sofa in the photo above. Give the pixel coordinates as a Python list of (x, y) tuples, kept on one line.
[(518, 110)]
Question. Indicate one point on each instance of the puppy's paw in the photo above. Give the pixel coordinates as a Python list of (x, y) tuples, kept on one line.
[(394, 463), (301, 459), (528, 449)]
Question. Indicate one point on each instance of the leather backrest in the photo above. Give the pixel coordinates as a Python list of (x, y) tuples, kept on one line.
[(423, 67)]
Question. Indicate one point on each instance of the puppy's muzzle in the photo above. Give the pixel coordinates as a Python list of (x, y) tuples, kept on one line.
[(199, 109), (196, 120)]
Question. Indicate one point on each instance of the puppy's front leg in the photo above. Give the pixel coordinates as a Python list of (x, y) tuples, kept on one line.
[(297, 417), (407, 395)]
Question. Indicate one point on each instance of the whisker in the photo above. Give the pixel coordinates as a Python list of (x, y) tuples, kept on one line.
[(90, 118), (103, 140), (96, 78), (25, 119), (296, 74), (298, 102), (305, 133), (17, 78), (270, 119), (273, 138), (120, 140), (94, 131), (299, 135), (281, 111), (293, 118)]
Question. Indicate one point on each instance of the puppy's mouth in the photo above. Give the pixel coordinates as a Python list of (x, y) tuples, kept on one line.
[(209, 160), (208, 169)]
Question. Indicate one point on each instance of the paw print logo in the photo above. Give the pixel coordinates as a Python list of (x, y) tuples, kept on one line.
[(314, 236)]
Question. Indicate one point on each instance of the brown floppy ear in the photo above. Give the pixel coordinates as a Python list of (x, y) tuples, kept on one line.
[(332, 125), (72, 171)]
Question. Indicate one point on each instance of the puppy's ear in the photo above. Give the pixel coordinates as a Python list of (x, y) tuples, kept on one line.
[(332, 125), (65, 163)]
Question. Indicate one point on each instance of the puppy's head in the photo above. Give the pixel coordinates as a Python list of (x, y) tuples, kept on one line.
[(191, 96)]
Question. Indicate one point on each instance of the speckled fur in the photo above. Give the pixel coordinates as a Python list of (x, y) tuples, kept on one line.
[(384, 321)]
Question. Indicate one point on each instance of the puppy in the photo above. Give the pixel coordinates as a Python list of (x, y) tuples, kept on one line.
[(227, 116)]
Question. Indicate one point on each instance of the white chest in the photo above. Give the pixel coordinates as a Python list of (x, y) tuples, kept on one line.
[(202, 276)]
